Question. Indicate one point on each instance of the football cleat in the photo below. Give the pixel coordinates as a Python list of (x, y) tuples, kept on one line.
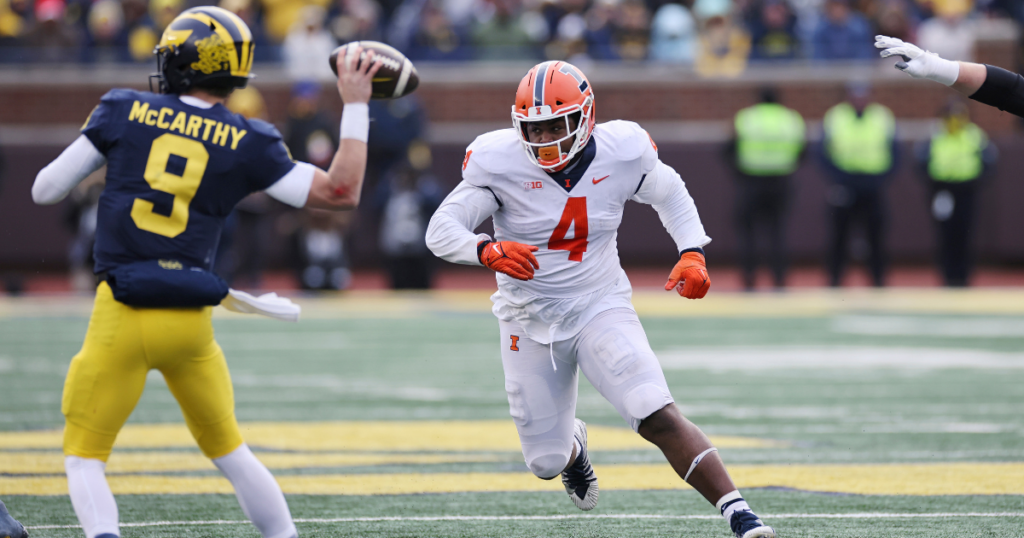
[(747, 525), (579, 479), (9, 527)]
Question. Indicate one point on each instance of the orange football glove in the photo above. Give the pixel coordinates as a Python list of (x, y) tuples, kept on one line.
[(513, 259), (690, 276)]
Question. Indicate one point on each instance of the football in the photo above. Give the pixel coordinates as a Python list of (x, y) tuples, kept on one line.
[(397, 77)]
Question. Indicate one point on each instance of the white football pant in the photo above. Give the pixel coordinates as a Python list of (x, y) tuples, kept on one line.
[(613, 353)]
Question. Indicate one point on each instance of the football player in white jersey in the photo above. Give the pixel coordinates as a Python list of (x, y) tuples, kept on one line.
[(563, 300)]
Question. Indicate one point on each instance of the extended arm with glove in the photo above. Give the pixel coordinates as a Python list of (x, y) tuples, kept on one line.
[(988, 84), (690, 276)]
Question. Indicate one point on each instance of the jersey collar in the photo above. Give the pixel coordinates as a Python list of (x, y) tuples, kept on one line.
[(568, 178), (194, 101)]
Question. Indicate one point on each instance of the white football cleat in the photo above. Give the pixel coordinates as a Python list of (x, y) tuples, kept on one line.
[(579, 479)]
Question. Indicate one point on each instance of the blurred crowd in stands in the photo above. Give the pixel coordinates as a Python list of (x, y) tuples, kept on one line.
[(717, 37)]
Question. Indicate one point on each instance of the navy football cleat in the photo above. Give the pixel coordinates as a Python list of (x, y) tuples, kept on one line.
[(579, 479), (747, 525), (9, 527)]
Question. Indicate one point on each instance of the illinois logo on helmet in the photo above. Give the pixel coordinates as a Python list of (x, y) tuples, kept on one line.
[(204, 46), (554, 90)]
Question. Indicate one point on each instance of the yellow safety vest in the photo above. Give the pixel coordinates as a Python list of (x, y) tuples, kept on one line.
[(956, 157), (769, 139), (860, 144)]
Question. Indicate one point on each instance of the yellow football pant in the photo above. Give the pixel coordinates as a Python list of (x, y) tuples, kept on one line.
[(122, 345)]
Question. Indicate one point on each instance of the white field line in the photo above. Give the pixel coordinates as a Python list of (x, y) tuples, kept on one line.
[(864, 515)]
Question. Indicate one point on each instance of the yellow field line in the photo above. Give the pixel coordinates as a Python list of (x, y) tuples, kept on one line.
[(409, 436), (896, 479)]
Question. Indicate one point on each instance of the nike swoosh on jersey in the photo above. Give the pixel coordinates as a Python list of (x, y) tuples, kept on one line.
[(596, 181)]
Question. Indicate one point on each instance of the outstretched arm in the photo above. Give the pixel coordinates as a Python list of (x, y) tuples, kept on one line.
[(55, 181), (341, 185), (450, 232), (986, 84)]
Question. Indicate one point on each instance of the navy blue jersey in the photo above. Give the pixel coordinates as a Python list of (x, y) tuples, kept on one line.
[(174, 172)]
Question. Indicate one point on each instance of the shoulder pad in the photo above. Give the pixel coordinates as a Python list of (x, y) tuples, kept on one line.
[(495, 151), (629, 139), (123, 94), (262, 127)]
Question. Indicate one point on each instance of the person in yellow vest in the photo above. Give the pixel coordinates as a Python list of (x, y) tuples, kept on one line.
[(859, 151), (954, 159), (767, 150)]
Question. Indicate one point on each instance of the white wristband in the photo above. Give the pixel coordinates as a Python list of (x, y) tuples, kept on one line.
[(355, 121), (946, 72)]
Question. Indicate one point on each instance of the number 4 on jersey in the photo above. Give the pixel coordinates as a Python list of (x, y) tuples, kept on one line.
[(575, 213)]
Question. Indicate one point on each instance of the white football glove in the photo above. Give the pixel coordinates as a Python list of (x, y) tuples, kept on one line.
[(918, 63)]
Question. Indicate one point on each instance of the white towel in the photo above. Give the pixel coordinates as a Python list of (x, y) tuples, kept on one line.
[(268, 304)]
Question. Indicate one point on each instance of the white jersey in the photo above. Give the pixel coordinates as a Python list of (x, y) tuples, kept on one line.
[(572, 216)]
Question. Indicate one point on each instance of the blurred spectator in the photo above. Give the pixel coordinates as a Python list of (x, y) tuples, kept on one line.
[(107, 40), (766, 152), (52, 40), (308, 46), (773, 32), (437, 38), (396, 124), (843, 34), (570, 42), (310, 134), (406, 199), (12, 24), (319, 248), (280, 16), (242, 252), (142, 33), (859, 150), (355, 20), (163, 12), (673, 35), (956, 157), (632, 30), (499, 33), (949, 34), (894, 18), (723, 47)]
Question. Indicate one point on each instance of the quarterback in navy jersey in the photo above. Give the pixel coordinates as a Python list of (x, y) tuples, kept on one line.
[(177, 163)]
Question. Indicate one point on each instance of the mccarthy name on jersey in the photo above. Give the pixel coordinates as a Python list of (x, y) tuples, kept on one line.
[(572, 216)]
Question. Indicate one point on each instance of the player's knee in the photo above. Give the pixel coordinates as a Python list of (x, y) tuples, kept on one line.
[(219, 439), (85, 443), (643, 401), (548, 466)]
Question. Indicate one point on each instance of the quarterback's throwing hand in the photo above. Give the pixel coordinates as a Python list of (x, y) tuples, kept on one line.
[(916, 62), (355, 78), (690, 276), (513, 259)]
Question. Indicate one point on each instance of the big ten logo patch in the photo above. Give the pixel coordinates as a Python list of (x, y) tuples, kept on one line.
[(531, 185)]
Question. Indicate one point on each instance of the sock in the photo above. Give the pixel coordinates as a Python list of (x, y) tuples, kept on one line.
[(730, 504), (90, 495), (258, 493)]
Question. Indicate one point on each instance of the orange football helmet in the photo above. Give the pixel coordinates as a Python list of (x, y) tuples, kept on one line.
[(549, 91)]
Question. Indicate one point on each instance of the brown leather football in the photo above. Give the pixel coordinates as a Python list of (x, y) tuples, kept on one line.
[(397, 77)]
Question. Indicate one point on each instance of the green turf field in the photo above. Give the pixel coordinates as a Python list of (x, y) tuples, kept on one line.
[(860, 414)]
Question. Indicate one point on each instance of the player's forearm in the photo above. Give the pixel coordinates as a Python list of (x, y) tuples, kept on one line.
[(73, 165), (349, 165), (996, 87), (970, 78), (450, 232)]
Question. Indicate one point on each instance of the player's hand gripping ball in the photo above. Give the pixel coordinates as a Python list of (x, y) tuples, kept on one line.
[(397, 77), (690, 276), (513, 259)]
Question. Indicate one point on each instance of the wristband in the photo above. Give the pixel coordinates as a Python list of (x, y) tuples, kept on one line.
[(946, 72), (355, 122)]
